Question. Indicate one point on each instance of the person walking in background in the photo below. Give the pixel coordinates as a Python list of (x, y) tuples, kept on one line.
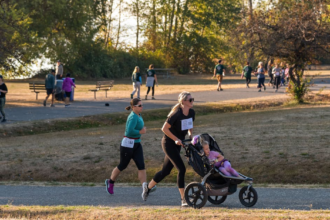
[(247, 70), (59, 70), (50, 87), (283, 76), (137, 82), (277, 75), (151, 79), (178, 124), (131, 148), (261, 76), (270, 74), (287, 69), (67, 88), (3, 92), (219, 72)]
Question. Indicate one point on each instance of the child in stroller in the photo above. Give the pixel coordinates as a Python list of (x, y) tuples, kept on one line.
[(215, 184), (219, 161)]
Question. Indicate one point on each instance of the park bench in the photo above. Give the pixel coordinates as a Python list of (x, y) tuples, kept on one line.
[(165, 72), (37, 87), (102, 85)]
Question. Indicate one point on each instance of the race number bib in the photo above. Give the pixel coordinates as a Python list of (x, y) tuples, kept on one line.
[(150, 82), (186, 124), (126, 142)]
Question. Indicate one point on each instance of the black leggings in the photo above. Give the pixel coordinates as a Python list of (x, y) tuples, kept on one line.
[(271, 78), (277, 81), (153, 90), (135, 153), (248, 80), (172, 158)]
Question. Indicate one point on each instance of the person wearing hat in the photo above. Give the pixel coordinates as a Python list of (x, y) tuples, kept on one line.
[(59, 70), (50, 87), (219, 71), (3, 92)]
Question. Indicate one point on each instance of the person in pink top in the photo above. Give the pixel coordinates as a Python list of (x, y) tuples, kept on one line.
[(67, 88), (219, 161)]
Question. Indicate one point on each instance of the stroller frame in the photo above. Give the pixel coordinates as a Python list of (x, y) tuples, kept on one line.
[(197, 193)]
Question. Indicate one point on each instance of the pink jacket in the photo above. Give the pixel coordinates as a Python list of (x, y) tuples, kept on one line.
[(67, 84)]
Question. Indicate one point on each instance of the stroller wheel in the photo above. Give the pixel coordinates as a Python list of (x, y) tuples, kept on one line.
[(248, 199), (195, 195), (216, 200)]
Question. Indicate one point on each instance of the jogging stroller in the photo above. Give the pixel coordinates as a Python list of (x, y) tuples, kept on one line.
[(214, 186)]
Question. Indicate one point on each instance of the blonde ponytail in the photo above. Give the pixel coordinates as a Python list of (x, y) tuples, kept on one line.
[(182, 96)]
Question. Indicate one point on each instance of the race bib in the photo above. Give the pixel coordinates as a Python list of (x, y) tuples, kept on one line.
[(126, 142), (186, 124), (150, 82)]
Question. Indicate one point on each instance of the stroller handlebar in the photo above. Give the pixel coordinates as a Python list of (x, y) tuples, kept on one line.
[(186, 142)]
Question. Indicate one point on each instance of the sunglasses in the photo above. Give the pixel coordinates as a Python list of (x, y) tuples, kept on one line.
[(191, 100), (138, 106)]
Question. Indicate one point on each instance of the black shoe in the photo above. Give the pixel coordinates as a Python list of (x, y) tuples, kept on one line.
[(3, 120), (221, 89)]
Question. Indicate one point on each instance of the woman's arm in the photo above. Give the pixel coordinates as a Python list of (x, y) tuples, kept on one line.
[(166, 129), (190, 131), (156, 79), (131, 124)]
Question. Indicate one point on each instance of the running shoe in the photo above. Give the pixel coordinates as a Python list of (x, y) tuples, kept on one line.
[(184, 203), (153, 189), (145, 191), (221, 89), (52, 105), (276, 90), (109, 186), (259, 90), (152, 97)]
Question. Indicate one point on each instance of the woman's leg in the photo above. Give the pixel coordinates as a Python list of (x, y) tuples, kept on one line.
[(134, 89), (153, 89), (263, 83), (2, 106), (231, 170), (138, 87), (148, 90), (172, 158), (139, 161)]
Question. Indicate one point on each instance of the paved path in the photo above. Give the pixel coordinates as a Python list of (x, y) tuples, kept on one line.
[(269, 198), (83, 108)]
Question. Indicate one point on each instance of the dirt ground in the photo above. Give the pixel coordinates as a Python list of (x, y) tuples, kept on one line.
[(20, 95), (272, 146)]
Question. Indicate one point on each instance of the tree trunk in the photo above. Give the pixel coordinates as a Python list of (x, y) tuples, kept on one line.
[(108, 31), (176, 21), (171, 23), (119, 22), (185, 10), (137, 25), (154, 25)]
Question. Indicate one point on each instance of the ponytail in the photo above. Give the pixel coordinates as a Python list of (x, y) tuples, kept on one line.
[(133, 102), (182, 96)]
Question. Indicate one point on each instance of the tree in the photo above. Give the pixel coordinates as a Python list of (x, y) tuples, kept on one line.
[(293, 31)]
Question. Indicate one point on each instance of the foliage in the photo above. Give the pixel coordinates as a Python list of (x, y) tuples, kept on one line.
[(290, 30)]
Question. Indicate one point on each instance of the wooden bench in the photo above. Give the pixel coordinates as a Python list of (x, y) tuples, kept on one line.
[(165, 72), (102, 85), (37, 87)]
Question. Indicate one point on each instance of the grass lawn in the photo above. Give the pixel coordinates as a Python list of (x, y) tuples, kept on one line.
[(89, 212), (284, 146)]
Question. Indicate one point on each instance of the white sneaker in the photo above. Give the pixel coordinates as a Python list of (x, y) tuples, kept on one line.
[(184, 203), (145, 191)]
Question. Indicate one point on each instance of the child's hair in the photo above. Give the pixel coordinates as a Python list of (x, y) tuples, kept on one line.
[(204, 143)]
